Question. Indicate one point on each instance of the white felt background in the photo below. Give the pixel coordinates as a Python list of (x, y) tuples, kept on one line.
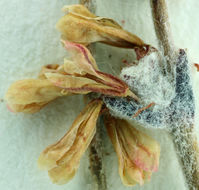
[(28, 40)]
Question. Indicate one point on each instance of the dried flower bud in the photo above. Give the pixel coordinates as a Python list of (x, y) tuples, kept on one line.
[(82, 75), (81, 26), (62, 158), (30, 95), (138, 154)]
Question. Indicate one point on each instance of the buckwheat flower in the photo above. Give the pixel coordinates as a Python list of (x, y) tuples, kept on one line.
[(138, 154), (62, 158), (81, 26), (83, 76)]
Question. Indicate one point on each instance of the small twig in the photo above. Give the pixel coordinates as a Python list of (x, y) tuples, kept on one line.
[(184, 136), (96, 158), (96, 146)]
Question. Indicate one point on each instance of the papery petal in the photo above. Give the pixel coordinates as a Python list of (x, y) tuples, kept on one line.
[(142, 149), (62, 158), (81, 26), (27, 108), (138, 154), (30, 95), (71, 68), (71, 83), (81, 56), (84, 64), (129, 173), (83, 85)]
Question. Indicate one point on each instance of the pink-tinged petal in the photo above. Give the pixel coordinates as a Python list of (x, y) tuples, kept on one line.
[(129, 173), (81, 56), (138, 154), (83, 65), (83, 85), (142, 149)]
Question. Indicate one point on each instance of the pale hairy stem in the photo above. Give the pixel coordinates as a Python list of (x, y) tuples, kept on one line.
[(185, 141), (162, 27), (96, 146), (184, 137)]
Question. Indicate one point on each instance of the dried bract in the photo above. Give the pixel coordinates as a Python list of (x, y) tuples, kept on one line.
[(81, 26)]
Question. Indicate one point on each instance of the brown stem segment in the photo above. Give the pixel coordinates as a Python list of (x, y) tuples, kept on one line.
[(96, 158)]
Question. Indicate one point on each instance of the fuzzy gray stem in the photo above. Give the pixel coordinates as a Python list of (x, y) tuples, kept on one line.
[(162, 26), (184, 137), (185, 141)]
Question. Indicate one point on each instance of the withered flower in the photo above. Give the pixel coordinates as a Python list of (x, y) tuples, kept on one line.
[(30, 95), (62, 158), (80, 75), (138, 154), (83, 76), (81, 26)]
